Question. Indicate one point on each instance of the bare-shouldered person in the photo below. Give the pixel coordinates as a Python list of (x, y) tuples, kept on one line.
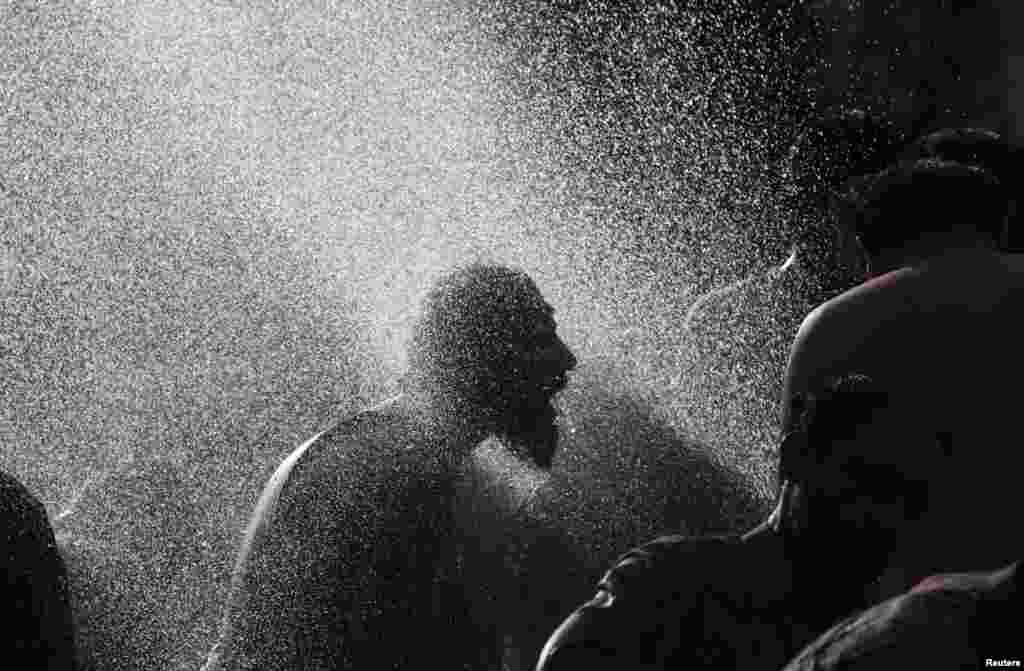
[(939, 325), (38, 632), (754, 600), (344, 564)]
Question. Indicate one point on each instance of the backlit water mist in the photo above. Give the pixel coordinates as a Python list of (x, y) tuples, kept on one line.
[(219, 218)]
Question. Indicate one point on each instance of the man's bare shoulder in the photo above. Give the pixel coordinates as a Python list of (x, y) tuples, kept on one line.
[(371, 438), (851, 306), (973, 282), (674, 601), (342, 466), (840, 325), (672, 565), (936, 625)]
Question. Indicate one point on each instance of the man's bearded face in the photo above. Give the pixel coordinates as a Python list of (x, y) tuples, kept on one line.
[(488, 344), (537, 365)]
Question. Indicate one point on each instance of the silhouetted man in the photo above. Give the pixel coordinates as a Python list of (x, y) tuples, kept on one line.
[(347, 561), (939, 327), (740, 334), (37, 632), (753, 601)]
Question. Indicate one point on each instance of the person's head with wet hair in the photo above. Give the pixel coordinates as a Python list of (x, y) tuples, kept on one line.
[(486, 352), (829, 155), (986, 149), (915, 209)]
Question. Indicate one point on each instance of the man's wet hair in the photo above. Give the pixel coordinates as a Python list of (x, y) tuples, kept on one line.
[(459, 346), (913, 199)]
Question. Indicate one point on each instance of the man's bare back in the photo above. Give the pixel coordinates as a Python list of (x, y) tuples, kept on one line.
[(944, 336), (953, 320), (343, 551)]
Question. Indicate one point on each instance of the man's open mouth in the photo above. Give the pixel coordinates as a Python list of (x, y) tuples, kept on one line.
[(555, 385)]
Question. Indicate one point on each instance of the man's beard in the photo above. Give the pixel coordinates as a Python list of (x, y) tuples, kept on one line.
[(533, 433)]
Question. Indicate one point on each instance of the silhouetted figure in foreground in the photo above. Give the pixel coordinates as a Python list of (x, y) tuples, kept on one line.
[(947, 623), (939, 328), (753, 601), (37, 630), (346, 563), (740, 334)]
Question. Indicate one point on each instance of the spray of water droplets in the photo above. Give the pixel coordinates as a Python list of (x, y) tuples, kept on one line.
[(218, 220)]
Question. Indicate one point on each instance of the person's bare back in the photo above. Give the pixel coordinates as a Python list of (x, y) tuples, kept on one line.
[(942, 333), (944, 336)]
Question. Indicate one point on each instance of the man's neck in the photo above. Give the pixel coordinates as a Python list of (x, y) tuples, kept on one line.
[(459, 431)]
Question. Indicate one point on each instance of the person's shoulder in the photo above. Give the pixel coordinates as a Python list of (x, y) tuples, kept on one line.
[(940, 622), (1002, 583), (653, 604), (315, 471), (928, 626), (843, 320), (851, 305), (24, 526), (390, 418), (13, 487), (368, 437), (17, 503), (670, 565), (911, 291), (353, 461)]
